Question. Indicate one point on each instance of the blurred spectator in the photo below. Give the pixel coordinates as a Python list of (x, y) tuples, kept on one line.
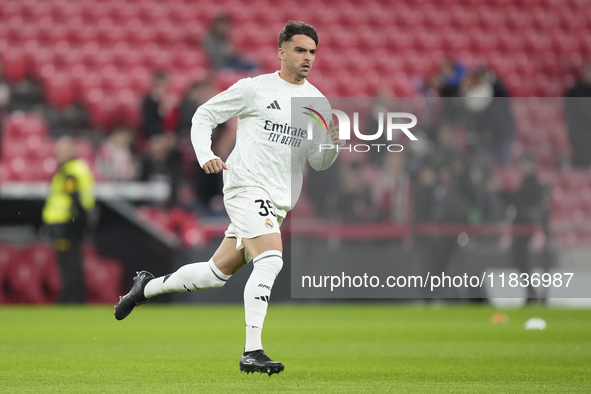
[(206, 187), (4, 92), (455, 196), (161, 163), (446, 146), (353, 203), (424, 194), (451, 74), (157, 107), (392, 191), (4, 98), (114, 160), (423, 212), (66, 212), (383, 103), (486, 99), (453, 201), (490, 205), (577, 110), (197, 94), (323, 188), (219, 48), (525, 207), (429, 115)]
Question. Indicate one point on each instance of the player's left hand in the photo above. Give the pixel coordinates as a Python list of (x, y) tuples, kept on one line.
[(333, 131)]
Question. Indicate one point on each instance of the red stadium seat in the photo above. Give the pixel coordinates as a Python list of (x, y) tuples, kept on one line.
[(59, 90), (13, 145), (90, 50), (66, 10), (408, 16), (125, 11), (536, 48), (100, 10), (11, 8), (226, 79), (57, 33), (85, 80), (112, 79), (15, 64), (544, 19), (84, 150), (67, 60), (47, 167), (156, 217), (139, 79), (187, 227), (85, 33), (188, 59), (101, 108), (194, 32), (8, 256), (103, 279), (153, 11), (23, 124), (4, 172), (128, 112), (114, 35), (462, 16), (105, 25), (481, 41), (35, 10), (180, 13), (16, 24), (34, 278), (154, 56), (120, 53)]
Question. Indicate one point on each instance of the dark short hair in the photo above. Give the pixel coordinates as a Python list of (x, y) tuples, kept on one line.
[(293, 28)]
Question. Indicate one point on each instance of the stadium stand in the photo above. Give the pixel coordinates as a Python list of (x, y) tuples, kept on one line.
[(33, 276), (30, 275), (102, 276), (101, 56)]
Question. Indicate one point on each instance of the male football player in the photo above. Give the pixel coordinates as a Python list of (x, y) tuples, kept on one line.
[(262, 182)]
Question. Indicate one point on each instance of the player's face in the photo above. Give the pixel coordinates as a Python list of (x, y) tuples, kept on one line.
[(298, 56)]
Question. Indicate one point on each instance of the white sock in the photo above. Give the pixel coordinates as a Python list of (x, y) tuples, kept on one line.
[(190, 277), (257, 293), (253, 338)]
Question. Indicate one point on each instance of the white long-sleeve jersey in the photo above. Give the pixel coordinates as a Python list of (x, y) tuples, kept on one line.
[(271, 148)]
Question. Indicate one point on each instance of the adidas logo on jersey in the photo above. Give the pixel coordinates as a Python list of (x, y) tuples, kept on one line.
[(262, 298), (274, 105)]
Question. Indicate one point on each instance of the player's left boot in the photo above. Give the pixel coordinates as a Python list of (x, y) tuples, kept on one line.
[(258, 361), (135, 296)]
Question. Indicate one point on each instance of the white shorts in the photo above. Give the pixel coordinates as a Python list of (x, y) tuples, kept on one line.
[(251, 215)]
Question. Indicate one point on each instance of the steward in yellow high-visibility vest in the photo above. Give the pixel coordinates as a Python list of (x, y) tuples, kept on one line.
[(65, 213), (71, 193)]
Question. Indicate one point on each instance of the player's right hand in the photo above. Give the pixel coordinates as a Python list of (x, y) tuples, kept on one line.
[(214, 166)]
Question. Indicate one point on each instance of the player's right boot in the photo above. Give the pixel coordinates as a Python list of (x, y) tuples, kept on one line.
[(135, 296), (258, 361)]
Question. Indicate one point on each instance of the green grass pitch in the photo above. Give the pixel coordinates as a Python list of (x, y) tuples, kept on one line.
[(366, 348)]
